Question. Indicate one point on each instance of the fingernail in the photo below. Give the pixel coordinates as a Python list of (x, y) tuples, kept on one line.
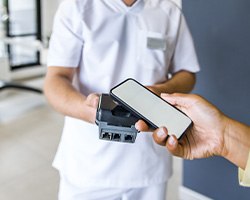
[(161, 134), (136, 126), (165, 94), (171, 141)]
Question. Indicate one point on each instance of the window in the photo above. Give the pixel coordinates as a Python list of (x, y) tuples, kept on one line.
[(24, 26)]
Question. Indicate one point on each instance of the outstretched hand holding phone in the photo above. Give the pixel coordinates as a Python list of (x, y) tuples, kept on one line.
[(212, 133), (147, 105)]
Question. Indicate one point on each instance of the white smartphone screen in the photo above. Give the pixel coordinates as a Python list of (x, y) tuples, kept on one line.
[(150, 107)]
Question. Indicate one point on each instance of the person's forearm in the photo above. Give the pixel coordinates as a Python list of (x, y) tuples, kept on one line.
[(237, 143), (182, 82), (66, 99)]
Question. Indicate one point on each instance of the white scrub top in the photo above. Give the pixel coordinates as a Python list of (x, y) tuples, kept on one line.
[(108, 42)]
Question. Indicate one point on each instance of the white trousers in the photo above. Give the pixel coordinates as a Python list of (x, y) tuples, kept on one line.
[(67, 191)]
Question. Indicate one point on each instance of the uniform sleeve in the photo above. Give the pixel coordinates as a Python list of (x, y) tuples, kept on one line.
[(244, 175), (184, 57), (66, 41)]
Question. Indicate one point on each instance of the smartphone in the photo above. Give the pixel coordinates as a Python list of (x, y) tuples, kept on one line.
[(151, 108)]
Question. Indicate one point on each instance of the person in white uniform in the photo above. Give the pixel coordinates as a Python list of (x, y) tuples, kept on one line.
[(95, 45)]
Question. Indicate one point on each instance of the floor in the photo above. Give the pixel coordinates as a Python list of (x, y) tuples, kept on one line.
[(29, 134)]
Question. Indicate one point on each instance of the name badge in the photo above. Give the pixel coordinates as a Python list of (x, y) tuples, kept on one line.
[(156, 43)]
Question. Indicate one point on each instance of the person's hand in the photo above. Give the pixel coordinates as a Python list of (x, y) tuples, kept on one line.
[(91, 102), (204, 139), (154, 89)]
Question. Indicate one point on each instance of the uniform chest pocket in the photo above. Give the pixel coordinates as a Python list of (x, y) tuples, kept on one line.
[(154, 50)]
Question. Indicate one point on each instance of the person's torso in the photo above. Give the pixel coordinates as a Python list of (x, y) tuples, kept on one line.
[(119, 42), (122, 42)]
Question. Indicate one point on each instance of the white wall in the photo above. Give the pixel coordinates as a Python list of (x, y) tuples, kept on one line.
[(49, 8)]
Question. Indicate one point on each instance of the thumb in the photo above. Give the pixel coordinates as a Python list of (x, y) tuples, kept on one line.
[(182, 101), (177, 99), (92, 100)]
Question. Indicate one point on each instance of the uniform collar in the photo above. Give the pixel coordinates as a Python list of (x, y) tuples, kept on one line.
[(134, 4), (121, 6)]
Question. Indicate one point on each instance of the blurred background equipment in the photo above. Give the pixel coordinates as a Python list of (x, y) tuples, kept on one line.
[(21, 39)]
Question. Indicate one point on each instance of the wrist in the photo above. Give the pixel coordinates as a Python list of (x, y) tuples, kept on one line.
[(237, 143), (227, 138)]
